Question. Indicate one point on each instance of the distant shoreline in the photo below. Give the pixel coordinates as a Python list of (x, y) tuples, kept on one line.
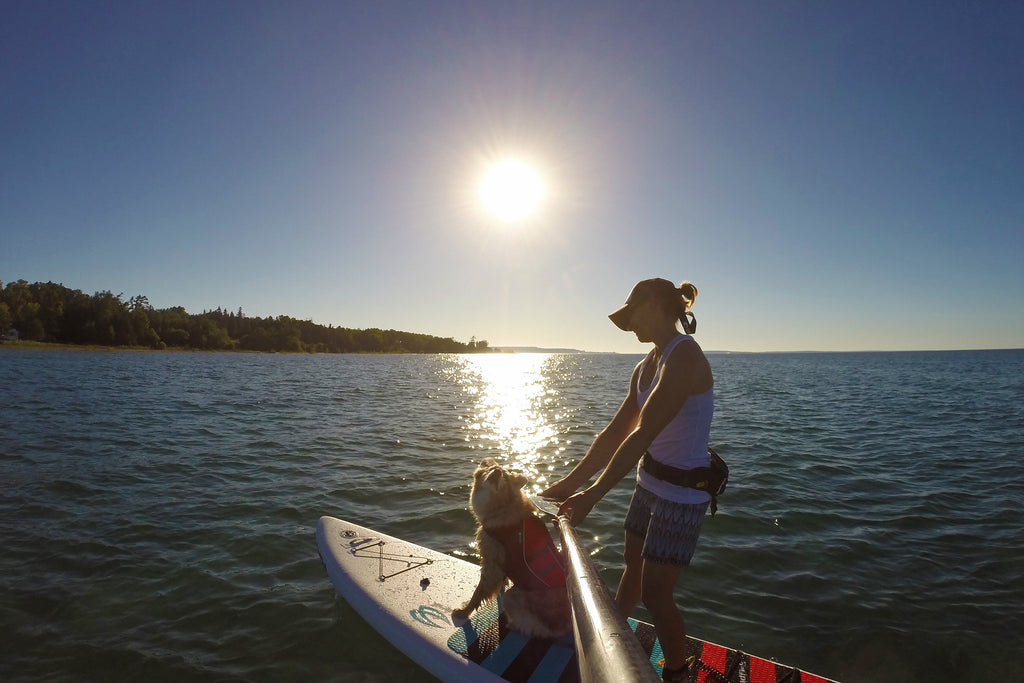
[(53, 346)]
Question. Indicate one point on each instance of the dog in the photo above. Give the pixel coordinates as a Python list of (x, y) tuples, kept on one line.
[(515, 544)]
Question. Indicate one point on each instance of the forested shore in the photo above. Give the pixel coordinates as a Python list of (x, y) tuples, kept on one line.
[(49, 312)]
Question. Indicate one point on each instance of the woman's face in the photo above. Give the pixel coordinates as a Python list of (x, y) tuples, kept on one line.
[(642, 318), (648, 318)]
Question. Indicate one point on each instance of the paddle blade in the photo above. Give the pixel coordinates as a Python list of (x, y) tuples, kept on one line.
[(547, 506)]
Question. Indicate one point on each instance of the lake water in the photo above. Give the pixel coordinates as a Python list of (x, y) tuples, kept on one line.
[(157, 510)]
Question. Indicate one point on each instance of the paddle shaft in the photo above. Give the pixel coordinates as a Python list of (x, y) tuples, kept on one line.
[(606, 647)]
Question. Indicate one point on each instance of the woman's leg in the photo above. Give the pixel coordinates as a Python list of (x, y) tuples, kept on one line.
[(658, 585), (638, 517), (670, 543), (629, 592)]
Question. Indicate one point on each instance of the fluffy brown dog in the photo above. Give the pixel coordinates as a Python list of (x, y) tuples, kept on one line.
[(514, 544)]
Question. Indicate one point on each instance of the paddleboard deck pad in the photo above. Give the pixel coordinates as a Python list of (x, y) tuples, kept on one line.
[(486, 640), (408, 593)]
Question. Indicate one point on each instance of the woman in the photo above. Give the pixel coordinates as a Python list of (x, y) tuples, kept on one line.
[(664, 422)]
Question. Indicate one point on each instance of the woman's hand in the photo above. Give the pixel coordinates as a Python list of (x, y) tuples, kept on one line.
[(577, 507)]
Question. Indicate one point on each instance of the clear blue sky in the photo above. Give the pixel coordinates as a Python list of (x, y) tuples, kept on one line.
[(832, 175)]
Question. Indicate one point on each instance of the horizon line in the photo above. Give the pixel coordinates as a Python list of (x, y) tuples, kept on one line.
[(541, 349)]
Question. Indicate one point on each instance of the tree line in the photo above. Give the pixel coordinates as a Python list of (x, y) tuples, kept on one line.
[(50, 312)]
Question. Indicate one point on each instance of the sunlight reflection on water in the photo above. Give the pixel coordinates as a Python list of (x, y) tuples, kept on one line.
[(518, 414)]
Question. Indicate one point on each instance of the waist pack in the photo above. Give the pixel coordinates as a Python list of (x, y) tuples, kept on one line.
[(712, 479)]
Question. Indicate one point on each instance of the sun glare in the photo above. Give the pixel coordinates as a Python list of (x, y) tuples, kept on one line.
[(511, 190)]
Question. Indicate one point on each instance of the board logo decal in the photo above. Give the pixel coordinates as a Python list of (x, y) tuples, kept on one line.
[(372, 547), (426, 615)]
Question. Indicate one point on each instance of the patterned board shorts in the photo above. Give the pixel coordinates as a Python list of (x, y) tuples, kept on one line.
[(670, 530)]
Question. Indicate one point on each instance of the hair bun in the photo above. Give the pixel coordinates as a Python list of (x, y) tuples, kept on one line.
[(688, 290)]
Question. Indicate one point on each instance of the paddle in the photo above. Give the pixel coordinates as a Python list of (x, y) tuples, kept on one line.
[(606, 647)]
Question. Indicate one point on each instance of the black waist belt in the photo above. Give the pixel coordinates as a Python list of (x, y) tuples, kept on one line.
[(696, 478)]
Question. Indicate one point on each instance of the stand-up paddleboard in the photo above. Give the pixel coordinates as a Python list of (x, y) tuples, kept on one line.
[(408, 593)]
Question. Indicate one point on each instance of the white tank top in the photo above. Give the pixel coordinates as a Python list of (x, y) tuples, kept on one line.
[(683, 443)]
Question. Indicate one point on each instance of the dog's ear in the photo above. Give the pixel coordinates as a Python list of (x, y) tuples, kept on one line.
[(519, 480)]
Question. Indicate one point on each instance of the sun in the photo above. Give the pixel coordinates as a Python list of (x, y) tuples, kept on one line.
[(511, 190)]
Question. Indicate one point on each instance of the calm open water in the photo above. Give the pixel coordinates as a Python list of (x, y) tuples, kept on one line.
[(157, 509)]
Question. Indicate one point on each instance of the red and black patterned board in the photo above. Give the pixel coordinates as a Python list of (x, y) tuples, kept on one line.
[(718, 664)]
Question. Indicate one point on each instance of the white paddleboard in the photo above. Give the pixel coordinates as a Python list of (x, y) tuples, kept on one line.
[(408, 593)]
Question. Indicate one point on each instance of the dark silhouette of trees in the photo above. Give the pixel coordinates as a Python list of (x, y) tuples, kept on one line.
[(54, 313)]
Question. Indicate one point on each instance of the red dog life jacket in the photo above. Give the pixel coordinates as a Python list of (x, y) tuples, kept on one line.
[(532, 559)]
